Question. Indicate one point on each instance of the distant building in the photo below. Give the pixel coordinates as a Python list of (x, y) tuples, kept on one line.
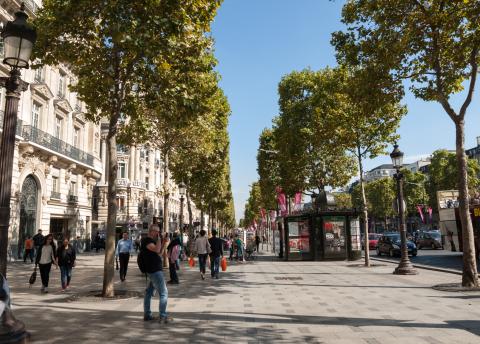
[(474, 153), (419, 165), (379, 172)]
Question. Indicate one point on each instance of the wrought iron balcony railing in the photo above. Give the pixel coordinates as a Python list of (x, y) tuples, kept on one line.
[(46, 140), (56, 195), (73, 199)]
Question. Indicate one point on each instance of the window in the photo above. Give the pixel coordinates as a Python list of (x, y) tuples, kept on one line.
[(55, 184), (61, 85), (73, 188), (36, 110), (76, 137), (146, 183), (122, 170), (38, 75), (58, 127)]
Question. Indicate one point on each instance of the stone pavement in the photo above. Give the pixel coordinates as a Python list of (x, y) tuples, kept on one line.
[(266, 301)]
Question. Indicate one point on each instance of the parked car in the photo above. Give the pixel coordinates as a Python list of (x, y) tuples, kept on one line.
[(390, 244), (432, 239), (372, 241)]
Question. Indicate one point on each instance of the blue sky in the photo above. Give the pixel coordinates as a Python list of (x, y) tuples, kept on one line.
[(259, 41)]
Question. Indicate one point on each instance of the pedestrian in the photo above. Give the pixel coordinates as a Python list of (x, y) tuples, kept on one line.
[(46, 256), (202, 247), (151, 248), (216, 245), (38, 240), (97, 242), (173, 252), (28, 249), (137, 243), (122, 253), (231, 246), (66, 260), (239, 246), (257, 242)]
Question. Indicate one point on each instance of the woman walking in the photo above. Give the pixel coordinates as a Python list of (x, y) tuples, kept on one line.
[(45, 258), (66, 261), (173, 252), (202, 247)]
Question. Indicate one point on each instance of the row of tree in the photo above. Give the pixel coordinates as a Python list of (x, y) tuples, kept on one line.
[(330, 117), (147, 68)]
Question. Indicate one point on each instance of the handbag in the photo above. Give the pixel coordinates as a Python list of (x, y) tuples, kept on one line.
[(116, 264), (33, 276), (191, 262), (223, 264)]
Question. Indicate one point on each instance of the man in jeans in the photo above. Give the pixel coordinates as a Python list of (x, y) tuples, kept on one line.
[(151, 248), (216, 245)]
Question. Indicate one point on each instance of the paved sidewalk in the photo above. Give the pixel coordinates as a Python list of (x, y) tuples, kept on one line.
[(267, 301)]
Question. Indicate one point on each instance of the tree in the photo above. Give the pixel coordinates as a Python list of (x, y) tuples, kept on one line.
[(435, 45), (343, 200), (369, 117), (309, 156), (119, 52), (415, 191), (381, 195), (443, 170), (253, 205), (268, 169)]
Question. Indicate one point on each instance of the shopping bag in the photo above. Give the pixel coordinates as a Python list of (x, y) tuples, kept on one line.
[(33, 276), (223, 264), (191, 262)]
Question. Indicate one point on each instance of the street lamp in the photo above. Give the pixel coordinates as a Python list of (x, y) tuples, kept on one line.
[(19, 38), (405, 266), (182, 190)]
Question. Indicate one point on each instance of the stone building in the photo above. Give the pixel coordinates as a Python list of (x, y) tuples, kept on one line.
[(57, 161)]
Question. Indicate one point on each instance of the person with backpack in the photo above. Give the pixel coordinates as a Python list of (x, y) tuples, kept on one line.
[(150, 262), (173, 253), (216, 245), (38, 240), (66, 261), (122, 252)]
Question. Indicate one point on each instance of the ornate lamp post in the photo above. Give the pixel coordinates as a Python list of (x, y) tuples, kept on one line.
[(19, 38), (404, 267)]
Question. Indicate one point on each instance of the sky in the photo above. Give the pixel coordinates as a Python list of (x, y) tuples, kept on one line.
[(259, 41)]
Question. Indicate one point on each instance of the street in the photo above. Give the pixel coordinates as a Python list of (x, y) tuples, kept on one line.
[(265, 301), (442, 259)]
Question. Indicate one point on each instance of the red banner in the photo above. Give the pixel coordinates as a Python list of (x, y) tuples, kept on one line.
[(297, 204), (282, 201), (419, 208)]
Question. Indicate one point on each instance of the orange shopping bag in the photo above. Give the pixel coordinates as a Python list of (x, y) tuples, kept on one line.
[(223, 263), (191, 262)]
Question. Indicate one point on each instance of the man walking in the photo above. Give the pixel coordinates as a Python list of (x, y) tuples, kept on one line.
[(151, 248), (216, 244), (124, 247), (38, 240)]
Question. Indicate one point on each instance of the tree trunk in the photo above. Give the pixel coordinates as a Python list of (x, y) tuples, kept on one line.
[(190, 214), (166, 201), (202, 217), (109, 268), (364, 209), (470, 275)]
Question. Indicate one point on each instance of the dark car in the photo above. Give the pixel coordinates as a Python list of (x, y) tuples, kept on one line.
[(372, 240), (390, 244), (432, 239)]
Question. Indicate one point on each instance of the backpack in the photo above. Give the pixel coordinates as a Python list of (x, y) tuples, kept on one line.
[(141, 261)]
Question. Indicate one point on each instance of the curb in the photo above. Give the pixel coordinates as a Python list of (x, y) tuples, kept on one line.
[(421, 266)]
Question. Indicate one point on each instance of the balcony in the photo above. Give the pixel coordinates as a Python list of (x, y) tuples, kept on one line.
[(138, 184), (72, 199), (56, 195), (31, 5), (48, 141), (122, 182)]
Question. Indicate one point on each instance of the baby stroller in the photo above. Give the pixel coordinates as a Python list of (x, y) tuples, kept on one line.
[(250, 253)]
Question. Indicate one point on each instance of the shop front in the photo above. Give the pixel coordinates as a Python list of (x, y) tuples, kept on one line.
[(325, 235)]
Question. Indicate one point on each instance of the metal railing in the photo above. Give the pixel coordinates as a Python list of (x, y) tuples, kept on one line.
[(72, 199), (46, 140), (31, 5), (56, 195)]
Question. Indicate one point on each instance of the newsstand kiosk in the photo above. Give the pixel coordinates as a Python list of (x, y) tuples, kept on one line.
[(322, 235)]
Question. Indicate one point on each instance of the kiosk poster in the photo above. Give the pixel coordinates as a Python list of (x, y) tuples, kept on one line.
[(299, 236)]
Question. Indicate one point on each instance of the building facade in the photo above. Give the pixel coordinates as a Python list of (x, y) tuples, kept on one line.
[(56, 161), (140, 189)]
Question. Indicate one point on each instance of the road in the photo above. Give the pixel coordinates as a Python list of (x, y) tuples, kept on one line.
[(435, 258)]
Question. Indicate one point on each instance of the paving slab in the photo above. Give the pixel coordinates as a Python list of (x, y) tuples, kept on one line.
[(265, 301)]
